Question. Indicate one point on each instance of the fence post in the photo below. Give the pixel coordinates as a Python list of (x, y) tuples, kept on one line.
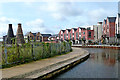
[(5, 50), (43, 51), (32, 52), (18, 50), (60, 47), (50, 48)]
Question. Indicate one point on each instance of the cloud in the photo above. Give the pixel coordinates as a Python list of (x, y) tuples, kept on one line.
[(4, 21), (59, 0), (1, 12), (98, 15), (58, 16), (119, 7), (63, 10), (37, 26), (34, 26)]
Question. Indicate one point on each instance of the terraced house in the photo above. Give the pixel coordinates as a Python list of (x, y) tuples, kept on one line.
[(109, 29), (76, 35), (78, 39), (33, 36), (61, 35), (87, 35)]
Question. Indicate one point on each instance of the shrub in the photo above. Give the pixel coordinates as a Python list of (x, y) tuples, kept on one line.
[(28, 52)]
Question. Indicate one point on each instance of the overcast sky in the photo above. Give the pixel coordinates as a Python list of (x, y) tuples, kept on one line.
[(51, 17)]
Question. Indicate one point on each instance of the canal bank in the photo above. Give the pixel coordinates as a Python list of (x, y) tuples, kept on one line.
[(46, 68), (97, 46)]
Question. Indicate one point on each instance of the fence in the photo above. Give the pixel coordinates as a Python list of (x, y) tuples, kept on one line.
[(28, 52)]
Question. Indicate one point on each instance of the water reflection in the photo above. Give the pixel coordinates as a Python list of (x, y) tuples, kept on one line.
[(105, 56), (103, 63)]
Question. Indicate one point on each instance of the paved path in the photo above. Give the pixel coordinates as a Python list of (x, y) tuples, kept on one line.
[(40, 64)]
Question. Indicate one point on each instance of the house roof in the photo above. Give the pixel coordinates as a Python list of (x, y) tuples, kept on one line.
[(46, 35), (68, 30), (81, 27), (63, 30), (54, 35), (105, 21), (34, 34), (74, 29), (111, 19)]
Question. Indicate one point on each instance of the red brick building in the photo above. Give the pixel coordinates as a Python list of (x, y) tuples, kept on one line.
[(33, 36), (87, 35), (109, 29), (68, 34), (105, 27), (37, 37), (61, 35), (75, 35), (78, 35)]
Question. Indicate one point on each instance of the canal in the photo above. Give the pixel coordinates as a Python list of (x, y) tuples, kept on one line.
[(103, 63)]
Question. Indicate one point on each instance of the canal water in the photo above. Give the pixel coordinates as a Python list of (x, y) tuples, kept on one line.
[(103, 63)]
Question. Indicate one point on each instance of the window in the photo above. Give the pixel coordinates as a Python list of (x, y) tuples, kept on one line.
[(79, 33), (83, 37), (76, 35), (79, 38), (118, 24), (83, 32), (64, 36), (89, 34)]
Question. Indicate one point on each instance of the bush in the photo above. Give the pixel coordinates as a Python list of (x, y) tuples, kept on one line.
[(29, 52)]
